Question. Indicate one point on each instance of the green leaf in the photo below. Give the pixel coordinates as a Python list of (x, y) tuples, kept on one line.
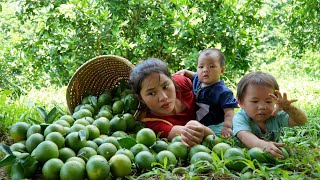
[(5, 148), (33, 120), (28, 161), (44, 126), (52, 115), (82, 135), (127, 142), (93, 100), (42, 112), (17, 171), (8, 160)]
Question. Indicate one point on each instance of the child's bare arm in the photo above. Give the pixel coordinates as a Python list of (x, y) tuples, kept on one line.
[(186, 73), (250, 140), (296, 115), (227, 128)]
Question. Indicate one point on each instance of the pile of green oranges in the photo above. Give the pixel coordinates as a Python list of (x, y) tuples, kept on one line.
[(101, 139)]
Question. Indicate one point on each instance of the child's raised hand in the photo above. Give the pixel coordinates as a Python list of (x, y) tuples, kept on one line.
[(282, 102)]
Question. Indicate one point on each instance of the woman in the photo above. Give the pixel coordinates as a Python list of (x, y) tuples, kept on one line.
[(168, 101)]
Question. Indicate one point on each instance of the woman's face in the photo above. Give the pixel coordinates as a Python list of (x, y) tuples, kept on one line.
[(257, 102), (159, 94)]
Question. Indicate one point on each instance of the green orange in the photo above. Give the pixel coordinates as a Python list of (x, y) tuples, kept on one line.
[(146, 136)]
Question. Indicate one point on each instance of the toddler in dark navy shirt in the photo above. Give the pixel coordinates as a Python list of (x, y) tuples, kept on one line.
[(215, 102)]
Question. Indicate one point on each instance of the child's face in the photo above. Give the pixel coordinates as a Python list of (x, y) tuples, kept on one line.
[(158, 93), (209, 69), (257, 103)]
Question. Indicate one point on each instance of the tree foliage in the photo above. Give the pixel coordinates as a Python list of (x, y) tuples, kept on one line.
[(55, 37)]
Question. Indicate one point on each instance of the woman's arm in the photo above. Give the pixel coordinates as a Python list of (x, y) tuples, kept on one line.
[(186, 73)]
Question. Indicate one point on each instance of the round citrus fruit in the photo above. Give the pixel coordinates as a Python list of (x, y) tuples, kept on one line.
[(106, 107), (97, 168), (65, 153), (107, 150), (18, 131), (220, 148), (54, 128), (81, 121), (117, 123), (211, 140), (144, 160), (74, 141), (235, 159), (62, 122), (120, 165), (86, 152), (146, 136), (131, 102), (179, 149), (135, 149), (176, 139), (57, 138), (130, 121), (78, 159), (68, 118), (257, 153), (117, 107), (94, 131), (198, 148), (104, 113), (89, 107), (159, 146), (201, 156), (103, 124), (126, 152), (33, 141), (119, 134), (72, 170), (82, 113), (113, 140), (104, 99), (46, 150), (171, 158), (77, 128), (34, 129), (92, 144), (98, 141), (51, 169)]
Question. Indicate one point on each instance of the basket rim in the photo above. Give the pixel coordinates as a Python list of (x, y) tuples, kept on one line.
[(83, 67)]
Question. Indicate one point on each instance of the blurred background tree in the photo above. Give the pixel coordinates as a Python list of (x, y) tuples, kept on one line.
[(44, 42)]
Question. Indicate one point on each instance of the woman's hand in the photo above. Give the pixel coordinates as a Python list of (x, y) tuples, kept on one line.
[(193, 133)]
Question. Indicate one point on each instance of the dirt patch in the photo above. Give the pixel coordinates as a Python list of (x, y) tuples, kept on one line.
[(3, 174)]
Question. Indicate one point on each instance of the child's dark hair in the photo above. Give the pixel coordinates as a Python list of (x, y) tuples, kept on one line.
[(217, 52), (144, 69), (255, 78)]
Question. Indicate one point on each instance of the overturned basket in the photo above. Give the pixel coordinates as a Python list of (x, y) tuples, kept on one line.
[(95, 76)]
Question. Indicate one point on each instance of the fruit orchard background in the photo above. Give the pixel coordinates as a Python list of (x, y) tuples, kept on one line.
[(44, 42)]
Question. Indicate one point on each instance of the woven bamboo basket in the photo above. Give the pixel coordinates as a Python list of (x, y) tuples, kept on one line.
[(95, 76)]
